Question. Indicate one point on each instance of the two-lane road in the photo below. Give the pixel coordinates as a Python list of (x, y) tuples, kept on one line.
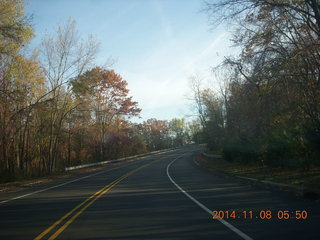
[(163, 196)]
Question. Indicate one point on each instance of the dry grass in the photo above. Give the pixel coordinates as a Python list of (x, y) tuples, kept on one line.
[(309, 178)]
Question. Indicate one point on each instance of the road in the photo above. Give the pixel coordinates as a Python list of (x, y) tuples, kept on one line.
[(162, 196)]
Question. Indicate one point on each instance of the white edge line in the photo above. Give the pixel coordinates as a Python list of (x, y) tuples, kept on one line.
[(62, 184), (228, 225)]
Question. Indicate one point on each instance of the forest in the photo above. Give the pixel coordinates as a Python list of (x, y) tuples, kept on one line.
[(267, 108), (58, 109)]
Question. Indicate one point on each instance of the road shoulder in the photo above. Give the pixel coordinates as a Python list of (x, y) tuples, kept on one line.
[(220, 167)]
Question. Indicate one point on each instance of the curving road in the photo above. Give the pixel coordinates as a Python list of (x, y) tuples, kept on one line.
[(162, 196)]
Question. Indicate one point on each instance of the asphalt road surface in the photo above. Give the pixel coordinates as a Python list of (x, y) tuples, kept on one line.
[(162, 196)]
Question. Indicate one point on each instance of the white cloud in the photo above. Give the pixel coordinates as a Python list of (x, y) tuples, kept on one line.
[(162, 80), (159, 80)]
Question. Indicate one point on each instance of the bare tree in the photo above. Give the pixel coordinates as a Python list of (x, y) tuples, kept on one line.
[(197, 99), (65, 56)]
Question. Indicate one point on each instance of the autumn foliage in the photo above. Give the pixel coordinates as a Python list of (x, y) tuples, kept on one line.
[(268, 110), (56, 110)]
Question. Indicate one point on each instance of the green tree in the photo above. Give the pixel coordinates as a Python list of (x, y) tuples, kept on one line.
[(178, 131)]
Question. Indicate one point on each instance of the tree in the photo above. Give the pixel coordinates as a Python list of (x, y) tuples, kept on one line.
[(105, 95), (210, 112), (21, 84), (195, 132), (275, 87), (156, 134), (178, 131), (15, 29), (197, 100), (64, 56)]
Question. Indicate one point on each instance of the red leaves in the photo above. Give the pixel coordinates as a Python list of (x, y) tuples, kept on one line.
[(107, 90)]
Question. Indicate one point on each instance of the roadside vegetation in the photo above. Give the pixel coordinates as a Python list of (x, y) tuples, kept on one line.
[(265, 118), (58, 109), (302, 179)]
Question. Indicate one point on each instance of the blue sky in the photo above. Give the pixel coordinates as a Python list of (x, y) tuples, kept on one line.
[(157, 44)]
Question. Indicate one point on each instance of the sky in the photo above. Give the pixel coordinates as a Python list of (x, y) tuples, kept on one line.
[(156, 45)]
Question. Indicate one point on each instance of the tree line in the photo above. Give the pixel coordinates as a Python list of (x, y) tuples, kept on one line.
[(268, 108), (58, 109)]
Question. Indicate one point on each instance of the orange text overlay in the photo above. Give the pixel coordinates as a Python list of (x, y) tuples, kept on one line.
[(262, 214)]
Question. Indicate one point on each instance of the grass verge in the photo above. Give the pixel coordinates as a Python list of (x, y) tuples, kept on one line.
[(296, 177)]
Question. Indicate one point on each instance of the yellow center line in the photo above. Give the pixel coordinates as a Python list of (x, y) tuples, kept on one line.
[(63, 227), (71, 212), (93, 198)]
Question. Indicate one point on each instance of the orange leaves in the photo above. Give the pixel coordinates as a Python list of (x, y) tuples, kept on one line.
[(106, 91)]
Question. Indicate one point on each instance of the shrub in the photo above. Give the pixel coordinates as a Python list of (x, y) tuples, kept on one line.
[(242, 149)]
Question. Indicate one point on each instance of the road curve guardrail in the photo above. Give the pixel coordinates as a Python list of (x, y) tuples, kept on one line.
[(211, 155), (115, 160)]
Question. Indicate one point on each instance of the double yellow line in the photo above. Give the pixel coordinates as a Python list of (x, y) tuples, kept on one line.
[(75, 212)]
